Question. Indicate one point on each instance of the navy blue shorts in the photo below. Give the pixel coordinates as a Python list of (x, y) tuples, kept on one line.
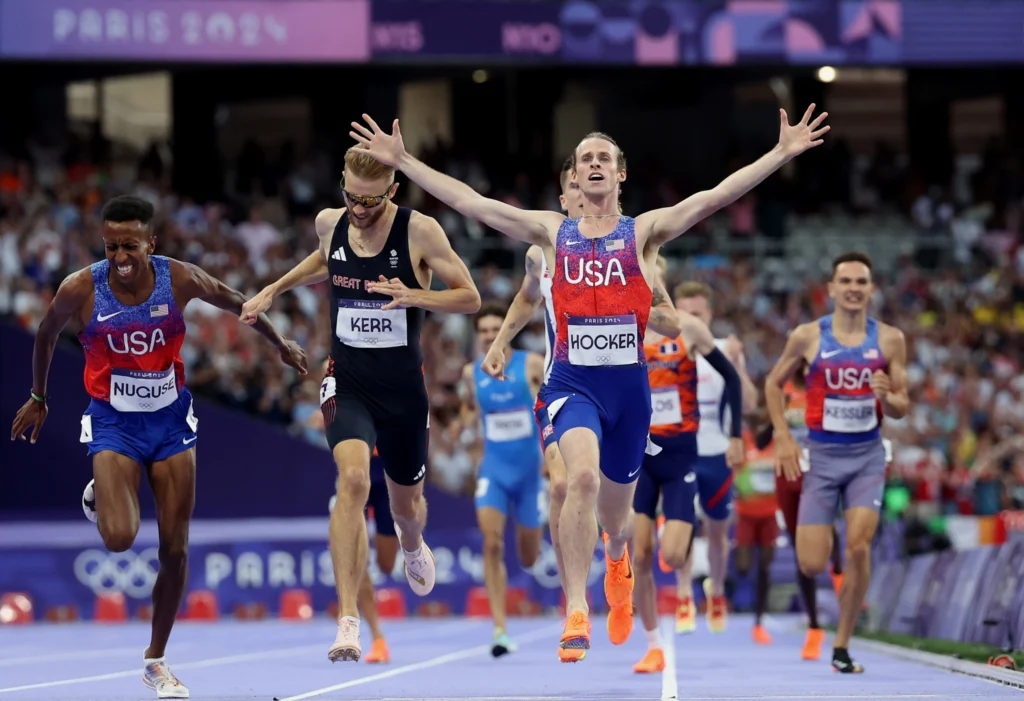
[(613, 402), (714, 484), (145, 437), (379, 501), (668, 474)]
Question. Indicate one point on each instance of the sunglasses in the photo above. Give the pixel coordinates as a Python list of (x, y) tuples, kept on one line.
[(363, 200)]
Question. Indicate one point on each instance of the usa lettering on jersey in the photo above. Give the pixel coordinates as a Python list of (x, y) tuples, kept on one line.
[(596, 341), (850, 379), (137, 342), (142, 390), (594, 273)]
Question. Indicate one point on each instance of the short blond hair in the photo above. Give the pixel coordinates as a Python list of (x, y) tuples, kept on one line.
[(691, 289), (363, 165)]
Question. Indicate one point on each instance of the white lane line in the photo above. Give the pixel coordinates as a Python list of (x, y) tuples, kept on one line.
[(425, 664), (669, 681)]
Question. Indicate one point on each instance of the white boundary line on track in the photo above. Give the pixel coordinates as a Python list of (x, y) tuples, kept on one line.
[(669, 680), (214, 662), (425, 664), (80, 655)]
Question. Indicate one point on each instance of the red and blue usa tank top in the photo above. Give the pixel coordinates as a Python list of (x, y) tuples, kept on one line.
[(600, 298), (841, 406), (133, 353)]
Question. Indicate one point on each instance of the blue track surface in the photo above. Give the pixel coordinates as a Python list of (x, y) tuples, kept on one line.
[(446, 659)]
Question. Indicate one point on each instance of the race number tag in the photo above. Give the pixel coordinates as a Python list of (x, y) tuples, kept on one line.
[(709, 414), (596, 341), (142, 390), (509, 425), (666, 409), (328, 388), (849, 414), (762, 481), (364, 324)]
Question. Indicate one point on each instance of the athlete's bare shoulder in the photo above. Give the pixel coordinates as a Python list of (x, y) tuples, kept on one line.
[(76, 287), (327, 220), (890, 338)]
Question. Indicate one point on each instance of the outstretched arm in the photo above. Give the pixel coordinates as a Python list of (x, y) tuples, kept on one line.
[(526, 301), (671, 222), (389, 149), (664, 317), (312, 270), (191, 282), (461, 297)]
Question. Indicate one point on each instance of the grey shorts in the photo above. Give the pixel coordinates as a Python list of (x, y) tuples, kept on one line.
[(851, 474)]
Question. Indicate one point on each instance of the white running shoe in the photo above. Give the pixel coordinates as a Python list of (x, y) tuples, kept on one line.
[(89, 501), (420, 570), (346, 645), (158, 676)]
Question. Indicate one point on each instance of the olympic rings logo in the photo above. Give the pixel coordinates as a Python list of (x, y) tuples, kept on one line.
[(604, 359), (130, 573), (145, 405)]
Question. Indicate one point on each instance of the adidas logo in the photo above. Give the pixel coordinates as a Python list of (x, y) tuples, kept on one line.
[(339, 255)]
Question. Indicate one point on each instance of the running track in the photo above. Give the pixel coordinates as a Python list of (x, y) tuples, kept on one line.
[(448, 659)]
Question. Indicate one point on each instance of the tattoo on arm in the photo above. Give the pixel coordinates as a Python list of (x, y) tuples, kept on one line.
[(658, 297)]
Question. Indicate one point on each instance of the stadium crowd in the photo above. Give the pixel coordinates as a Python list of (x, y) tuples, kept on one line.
[(956, 288)]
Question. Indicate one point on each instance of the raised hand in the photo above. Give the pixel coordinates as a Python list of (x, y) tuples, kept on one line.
[(795, 139), (259, 304), (385, 148)]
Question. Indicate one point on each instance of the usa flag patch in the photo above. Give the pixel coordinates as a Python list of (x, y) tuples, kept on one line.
[(615, 245), (871, 354), (158, 310)]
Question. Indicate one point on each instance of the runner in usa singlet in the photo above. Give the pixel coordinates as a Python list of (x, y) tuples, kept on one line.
[(598, 379)]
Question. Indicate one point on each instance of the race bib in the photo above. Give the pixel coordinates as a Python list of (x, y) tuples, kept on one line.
[(709, 414), (511, 425), (666, 409), (596, 341), (328, 388), (849, 414), (364, 324), (762, 481), (142, 390)]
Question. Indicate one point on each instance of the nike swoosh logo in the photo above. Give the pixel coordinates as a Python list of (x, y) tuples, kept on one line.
[(186, 441), (104, 317), (633, 473), (572, 243), (829, 354)]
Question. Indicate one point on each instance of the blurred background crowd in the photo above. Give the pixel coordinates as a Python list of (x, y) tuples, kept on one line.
[(949, 258)]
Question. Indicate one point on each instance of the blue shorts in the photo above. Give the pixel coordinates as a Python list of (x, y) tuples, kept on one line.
[(613, 402), (670, 475), (379, 500), (145, 437), (514, 490), (714, 485), (547, 431)]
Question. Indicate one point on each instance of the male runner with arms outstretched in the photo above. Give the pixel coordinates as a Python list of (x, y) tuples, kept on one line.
[(856, 374), (536, 287), (597, 395), (131, 310), (373, 393)]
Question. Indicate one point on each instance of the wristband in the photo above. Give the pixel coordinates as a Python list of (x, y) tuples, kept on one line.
[(37, 397)]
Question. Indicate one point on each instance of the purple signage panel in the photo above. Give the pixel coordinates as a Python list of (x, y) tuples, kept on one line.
[(884, 592), (936, 592), (905, 617), (960, 592), (186, 30), (997, 596)]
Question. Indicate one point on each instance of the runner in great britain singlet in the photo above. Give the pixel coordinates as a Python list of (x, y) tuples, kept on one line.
[(134, 373), (509, 476), (598, 378), (373, 390), (714, 478), (847, 457)]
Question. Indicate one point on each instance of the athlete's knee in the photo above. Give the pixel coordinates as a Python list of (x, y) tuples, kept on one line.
[(118, 537), (173, 553), (528, 545), (494, 545), (858, 553), (744, 556), (811, 564), (354, 481), (584, 481), (675, 552), (559, 486)]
